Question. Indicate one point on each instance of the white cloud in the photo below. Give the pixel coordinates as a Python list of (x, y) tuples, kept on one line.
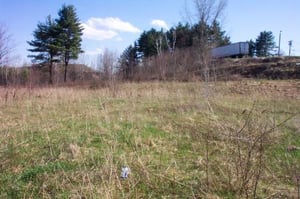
[(106, 28), (97, 51), (113, 24), (160, 23), (90, 32), (119, 39)]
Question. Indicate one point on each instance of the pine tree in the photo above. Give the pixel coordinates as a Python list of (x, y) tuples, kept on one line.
[(265, 44), (217, 37), (252, 48), (128, 61), (184, 37), (70, 35), (152, 43), (46, 44)]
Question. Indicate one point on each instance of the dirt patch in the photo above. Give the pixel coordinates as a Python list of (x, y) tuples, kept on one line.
[(263, 68), (283, 89)]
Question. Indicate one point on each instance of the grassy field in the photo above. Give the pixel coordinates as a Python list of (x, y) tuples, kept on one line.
[(180, 140)]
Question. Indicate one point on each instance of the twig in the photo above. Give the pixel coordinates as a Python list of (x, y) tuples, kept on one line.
[(175, 181)]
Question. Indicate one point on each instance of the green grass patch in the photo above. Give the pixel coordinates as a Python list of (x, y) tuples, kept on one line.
[(32, 173)]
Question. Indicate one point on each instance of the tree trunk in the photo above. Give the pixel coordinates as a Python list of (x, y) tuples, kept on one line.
[(5, 76), (66, 69), (50, 73)]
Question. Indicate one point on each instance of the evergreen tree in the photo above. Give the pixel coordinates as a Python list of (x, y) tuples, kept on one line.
[(209, 35), (217, 37), (183, 35), (70, 35), (152, 43), (265, 44), (252, 48), (200, 34), (128, 61), (46, 44)]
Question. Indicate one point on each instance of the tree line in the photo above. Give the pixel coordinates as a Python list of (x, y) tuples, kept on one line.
[(153, 44), (163, 51), (188, 45), (180, 53)]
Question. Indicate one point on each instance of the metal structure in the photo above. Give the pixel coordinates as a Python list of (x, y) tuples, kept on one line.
[(238, 49), (279, 43)]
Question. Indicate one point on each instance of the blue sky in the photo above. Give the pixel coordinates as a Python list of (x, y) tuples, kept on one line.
[(115, 24)]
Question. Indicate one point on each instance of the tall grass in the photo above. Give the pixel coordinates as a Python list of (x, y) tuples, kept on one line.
[(72, 143)]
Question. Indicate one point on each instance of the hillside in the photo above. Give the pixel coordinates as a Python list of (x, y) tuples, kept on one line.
[(262, 68), (161, 68)]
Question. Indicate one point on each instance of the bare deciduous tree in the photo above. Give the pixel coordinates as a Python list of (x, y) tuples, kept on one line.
[(6, 48), (207, 12), (5, 45), (106, 64)]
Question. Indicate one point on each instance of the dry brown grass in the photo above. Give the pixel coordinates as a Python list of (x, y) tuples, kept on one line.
[(72, 142)]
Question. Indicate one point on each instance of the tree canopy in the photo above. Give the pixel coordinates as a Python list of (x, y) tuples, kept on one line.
[(57, 39), (265, 44), (152, 42), (128, 61), (155, 42), (70, 32), (46, 44)]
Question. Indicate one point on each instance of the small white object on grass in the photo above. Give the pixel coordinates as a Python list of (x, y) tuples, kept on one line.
[(125, 172)]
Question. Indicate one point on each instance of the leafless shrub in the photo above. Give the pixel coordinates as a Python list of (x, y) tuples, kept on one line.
[(5, 46), (246, 147)]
